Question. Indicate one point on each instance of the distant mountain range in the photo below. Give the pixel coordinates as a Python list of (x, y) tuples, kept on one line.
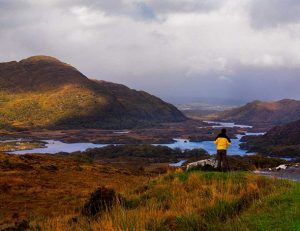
[(263, 113), (43, 92), (281, 140)]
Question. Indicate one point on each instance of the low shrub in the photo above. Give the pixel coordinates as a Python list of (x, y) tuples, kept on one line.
[(103, 199)]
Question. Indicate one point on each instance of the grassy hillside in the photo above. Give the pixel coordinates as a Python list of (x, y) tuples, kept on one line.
[(261, 113), (42, 92), (45, 192), (197, 201), (44, 186)]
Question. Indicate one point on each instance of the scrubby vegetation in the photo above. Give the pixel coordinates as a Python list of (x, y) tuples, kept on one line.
[(196, 200), (123, 188), (281, 141), (252, 162), (162, 154), (42, 186), (20, 145), (270, 146), (157, 153)]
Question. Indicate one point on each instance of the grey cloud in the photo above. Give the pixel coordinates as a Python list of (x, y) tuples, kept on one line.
[(274, 13), (142, 9), (224, 57), (158, 8), (22, 12), (245, 85), (11, 5), (177, 6)]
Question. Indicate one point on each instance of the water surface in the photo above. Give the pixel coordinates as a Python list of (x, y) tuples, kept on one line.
[(209, 146), (53, 146)]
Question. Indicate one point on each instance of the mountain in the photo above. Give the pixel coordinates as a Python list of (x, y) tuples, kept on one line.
[(263, 113), (281, 140), (43, 92)]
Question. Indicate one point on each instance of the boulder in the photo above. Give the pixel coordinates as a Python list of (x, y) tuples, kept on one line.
[(281, 167), (211, 162)]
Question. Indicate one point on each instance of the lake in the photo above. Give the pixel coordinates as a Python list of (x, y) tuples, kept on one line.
[(209, 146), (54, 146)]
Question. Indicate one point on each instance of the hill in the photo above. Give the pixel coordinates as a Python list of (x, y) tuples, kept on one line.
[(74, 192), (261, 113), (43, 92), (281, 140)]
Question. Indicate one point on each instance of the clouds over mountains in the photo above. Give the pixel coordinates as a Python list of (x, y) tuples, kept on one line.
[(173, 48)]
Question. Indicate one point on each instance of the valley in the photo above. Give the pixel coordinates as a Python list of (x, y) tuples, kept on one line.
[(65, 138), (190, 134), (138, 115)]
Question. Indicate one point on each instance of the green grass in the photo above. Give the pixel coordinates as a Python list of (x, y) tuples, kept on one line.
[(198, 200), (279, 211), (219, 176)]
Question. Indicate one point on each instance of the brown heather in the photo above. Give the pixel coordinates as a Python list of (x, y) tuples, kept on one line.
[(184, 201)]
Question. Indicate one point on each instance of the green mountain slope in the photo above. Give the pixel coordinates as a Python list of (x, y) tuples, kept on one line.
[(43, 92)]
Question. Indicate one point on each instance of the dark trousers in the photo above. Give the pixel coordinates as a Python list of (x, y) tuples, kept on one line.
[(222, 160)]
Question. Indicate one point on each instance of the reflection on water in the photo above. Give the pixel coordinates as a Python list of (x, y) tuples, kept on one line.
[(209, 146), (178, 164), (53, 146)]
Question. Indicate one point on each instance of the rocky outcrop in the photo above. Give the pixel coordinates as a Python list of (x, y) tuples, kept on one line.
[(201, 163)]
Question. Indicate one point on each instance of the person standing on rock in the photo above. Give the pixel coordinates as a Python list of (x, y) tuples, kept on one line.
[(222, 142)]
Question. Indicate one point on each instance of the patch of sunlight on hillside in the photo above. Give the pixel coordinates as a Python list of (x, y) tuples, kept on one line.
[(46, 108)]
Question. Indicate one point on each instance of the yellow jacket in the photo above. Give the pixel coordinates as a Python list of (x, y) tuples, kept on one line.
[(222, 143)]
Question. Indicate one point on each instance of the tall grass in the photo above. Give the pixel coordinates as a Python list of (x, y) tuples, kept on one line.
[(182, 201)]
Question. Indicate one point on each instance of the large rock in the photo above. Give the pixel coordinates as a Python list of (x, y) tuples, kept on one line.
[(210, 162)]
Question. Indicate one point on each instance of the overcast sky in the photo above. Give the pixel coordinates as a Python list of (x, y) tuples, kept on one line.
[(180, 50)]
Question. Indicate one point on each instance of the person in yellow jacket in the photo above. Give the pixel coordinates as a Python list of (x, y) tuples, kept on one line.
[(222, 142)]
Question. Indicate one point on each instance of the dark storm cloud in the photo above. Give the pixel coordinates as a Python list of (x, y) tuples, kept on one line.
[(266, 83), (274, 13), (245, 85)]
